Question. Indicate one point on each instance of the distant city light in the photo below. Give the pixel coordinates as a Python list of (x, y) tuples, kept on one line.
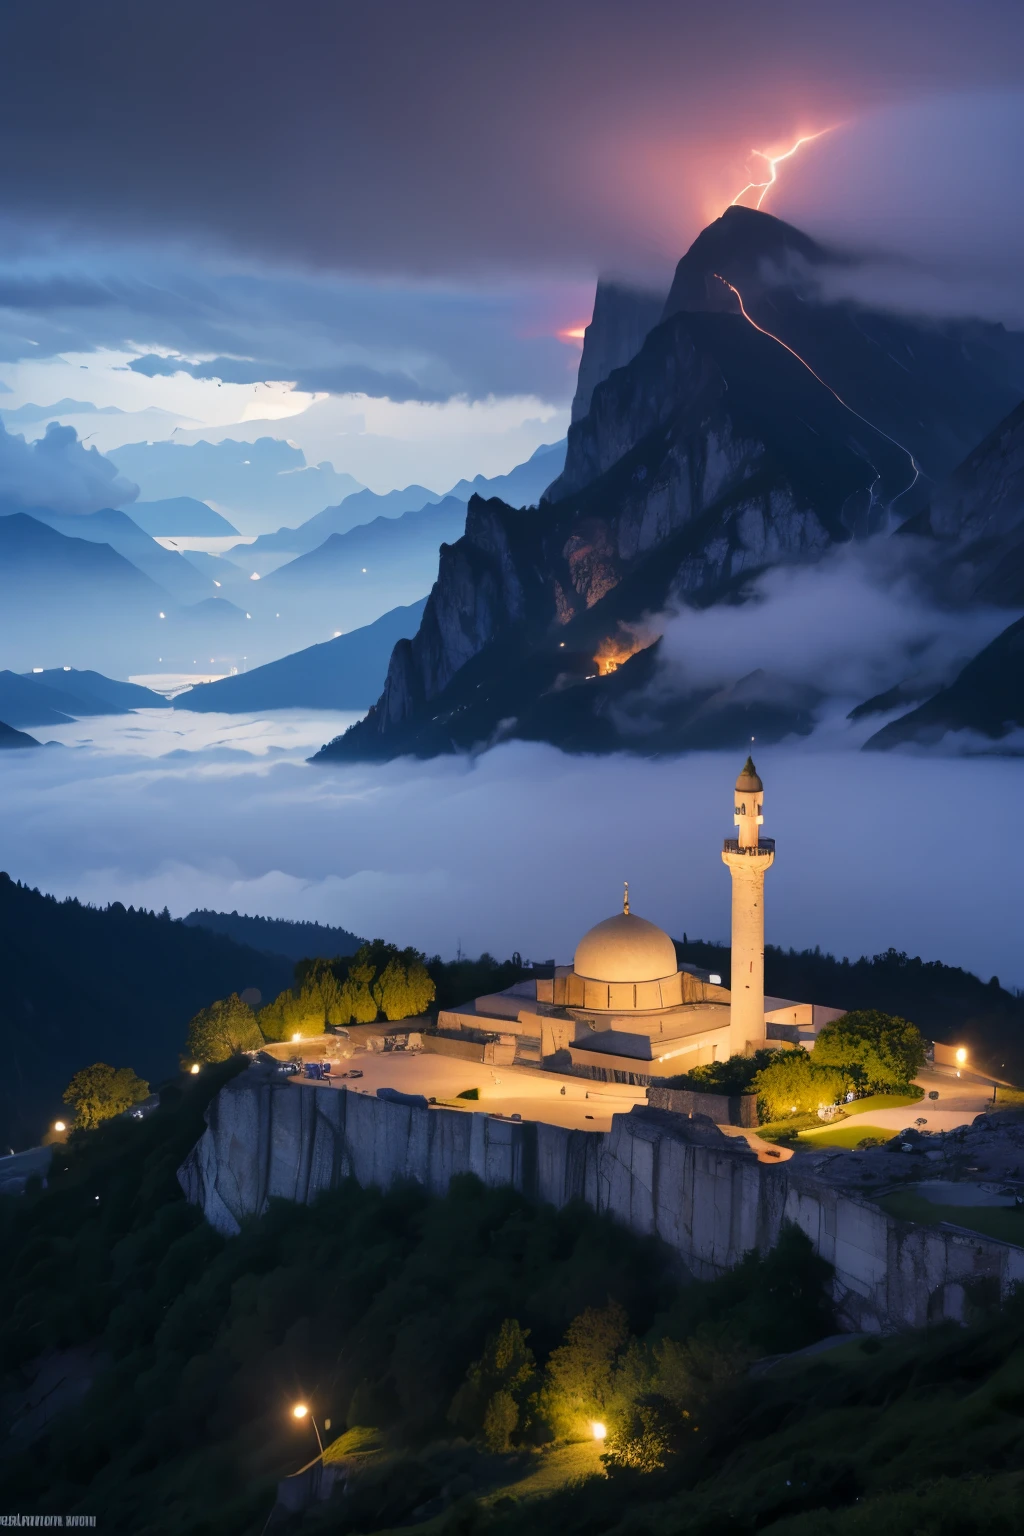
[(248, 615), (216, 583), (364, 570), (598, 1430), (39, 669), (336, 634), (194, 1068), (59, 1125), (255, 576), (163, 616), (67, 669), (961, 1056)]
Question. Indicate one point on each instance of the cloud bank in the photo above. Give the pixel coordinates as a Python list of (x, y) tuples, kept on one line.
[(522, 848), (60, 473)]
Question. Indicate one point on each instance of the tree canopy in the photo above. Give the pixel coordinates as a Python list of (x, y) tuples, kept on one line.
[(100, 1092), (879, 1050), (222, 1030), (793, 1083)]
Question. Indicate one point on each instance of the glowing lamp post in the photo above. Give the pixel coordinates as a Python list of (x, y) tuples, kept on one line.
[(59, 1126), (300, 1412), (598, 1430), (194, 1069), (961, 1056)]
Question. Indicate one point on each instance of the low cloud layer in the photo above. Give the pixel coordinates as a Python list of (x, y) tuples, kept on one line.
[(60, 473), (851, 626), (522, 848)]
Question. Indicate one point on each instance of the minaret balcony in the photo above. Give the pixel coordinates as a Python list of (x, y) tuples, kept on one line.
[(765, 846)]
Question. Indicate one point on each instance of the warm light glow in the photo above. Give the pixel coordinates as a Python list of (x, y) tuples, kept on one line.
[(961, 1057), (194, 1069), (572, 333), (615, 651), (598, 1430), (299, 1411), (59, 1125), (763, 187), (296, 1037)]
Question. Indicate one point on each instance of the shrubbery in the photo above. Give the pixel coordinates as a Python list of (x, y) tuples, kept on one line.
[(222, 1030), (100, 1092), (882, 1053), (794, 1084)]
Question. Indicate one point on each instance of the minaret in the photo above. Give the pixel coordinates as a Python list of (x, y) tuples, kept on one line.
[(748, 856)]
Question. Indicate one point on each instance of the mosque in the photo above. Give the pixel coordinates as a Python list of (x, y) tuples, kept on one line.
[(626, 1011)]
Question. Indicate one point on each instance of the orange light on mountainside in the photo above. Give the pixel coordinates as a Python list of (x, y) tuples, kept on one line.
[(616, 651), (572, 333)]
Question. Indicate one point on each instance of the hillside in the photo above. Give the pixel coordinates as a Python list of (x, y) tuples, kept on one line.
[(10, 738), (278, 936), (54, 696), (345, 673), (987, 698), (83, 984), (182, 515)]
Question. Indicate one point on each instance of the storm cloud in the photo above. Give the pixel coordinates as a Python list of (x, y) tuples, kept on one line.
[(58, 472)]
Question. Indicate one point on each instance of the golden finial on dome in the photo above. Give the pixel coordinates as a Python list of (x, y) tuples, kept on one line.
[(625, 898)]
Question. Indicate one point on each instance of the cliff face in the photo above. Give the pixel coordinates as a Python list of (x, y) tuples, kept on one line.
[(622, 318), (711, 454), (981, 509), (658, 1174)]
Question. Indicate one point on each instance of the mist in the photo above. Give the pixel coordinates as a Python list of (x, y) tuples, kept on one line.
[(853, 625), (520, 848)]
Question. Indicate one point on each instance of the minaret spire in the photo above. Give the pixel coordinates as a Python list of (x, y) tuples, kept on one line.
[(625, 898), (748, 856)]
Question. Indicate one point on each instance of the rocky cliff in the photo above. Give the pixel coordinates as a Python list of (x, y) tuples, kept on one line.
[(623, 316), (659, 1174), (713, 453)]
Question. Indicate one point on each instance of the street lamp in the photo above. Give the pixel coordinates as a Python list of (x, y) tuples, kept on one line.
[(301, 1411), (194, 1069), (961, 1056), (59, 1125), (598, 1430)]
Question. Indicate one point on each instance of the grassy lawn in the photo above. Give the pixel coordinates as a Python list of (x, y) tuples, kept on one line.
[(1000, 1221), (551, 1470), (847, 1135)]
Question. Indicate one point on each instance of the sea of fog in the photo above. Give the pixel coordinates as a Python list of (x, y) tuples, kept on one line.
[(520, 847)]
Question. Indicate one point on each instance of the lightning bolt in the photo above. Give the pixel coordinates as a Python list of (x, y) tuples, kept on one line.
[(772, 161), (834, 393)]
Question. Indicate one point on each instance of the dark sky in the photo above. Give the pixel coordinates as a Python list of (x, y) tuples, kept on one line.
[(441, 137), (411, 198)]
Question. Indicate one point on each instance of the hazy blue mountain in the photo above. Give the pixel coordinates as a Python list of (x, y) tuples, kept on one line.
[(250, 482), (12, 738), (44, 698), (523, 486), (353, 578), (278, 936), (24, 415), (180, 515), (170, 570), (361, 507), (63, 599), (345, 673), (229, 578)]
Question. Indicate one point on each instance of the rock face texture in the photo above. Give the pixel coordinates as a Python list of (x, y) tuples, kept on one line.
[(657, 1173), (622, 318), (702, 451), (987, 698)]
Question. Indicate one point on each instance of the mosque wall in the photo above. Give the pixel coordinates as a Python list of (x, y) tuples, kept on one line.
[(658, 1173)]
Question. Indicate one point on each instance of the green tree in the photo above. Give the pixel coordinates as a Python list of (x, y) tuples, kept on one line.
[(794, 1084), (225, 1028), (579, 1379), (404, 988), (733, 1075), (356, 1003), (491, 1399), (881, 1051), (100, 1092)]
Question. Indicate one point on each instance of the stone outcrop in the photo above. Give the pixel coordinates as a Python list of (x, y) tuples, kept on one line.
[(623, 315), (659, 1174)]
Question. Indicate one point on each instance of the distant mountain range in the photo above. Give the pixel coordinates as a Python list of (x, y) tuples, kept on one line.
[(58, 695), (12, 738), (345, 673), (251, 483), (709, 456), (180, 515), (522, 486), (986, 699)]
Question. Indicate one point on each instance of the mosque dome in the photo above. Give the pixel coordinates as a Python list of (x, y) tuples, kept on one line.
[(748, 779), (625, 948)]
